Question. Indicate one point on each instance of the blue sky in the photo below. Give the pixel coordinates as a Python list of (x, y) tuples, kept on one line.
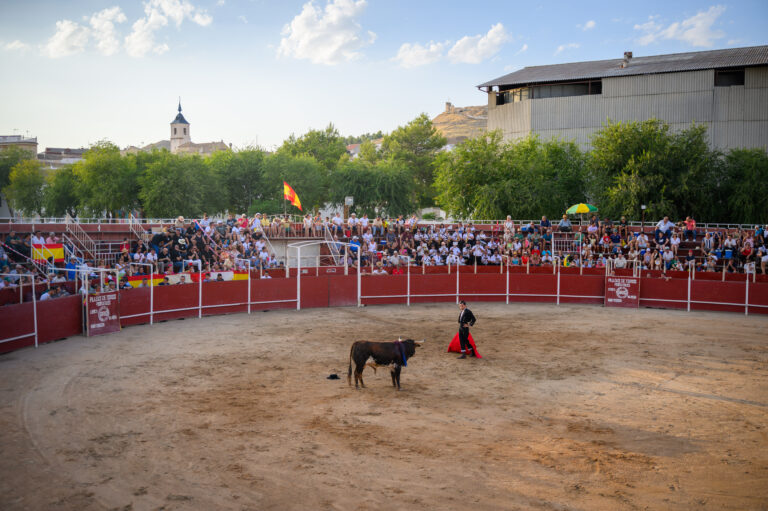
[(254, 71)]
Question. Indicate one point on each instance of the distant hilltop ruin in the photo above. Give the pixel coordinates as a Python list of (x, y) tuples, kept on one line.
[(458, 123)]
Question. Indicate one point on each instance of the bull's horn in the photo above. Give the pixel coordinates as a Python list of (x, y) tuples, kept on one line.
[(399, 338), (420, 342)]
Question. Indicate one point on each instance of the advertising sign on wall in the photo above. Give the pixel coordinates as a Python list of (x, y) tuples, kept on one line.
[(622, 292), (103, 313)]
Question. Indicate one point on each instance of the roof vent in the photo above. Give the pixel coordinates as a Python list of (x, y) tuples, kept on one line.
[(627, 58)]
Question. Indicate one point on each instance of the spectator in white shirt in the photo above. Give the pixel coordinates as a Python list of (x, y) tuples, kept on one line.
[(663, 230), (37, 238)]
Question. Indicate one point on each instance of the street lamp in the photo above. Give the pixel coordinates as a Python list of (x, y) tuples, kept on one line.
[(642, 218)]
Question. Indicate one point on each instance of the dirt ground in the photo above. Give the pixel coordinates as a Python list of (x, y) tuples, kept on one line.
[(572, 407)]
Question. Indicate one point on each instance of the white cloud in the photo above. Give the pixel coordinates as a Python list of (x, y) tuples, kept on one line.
[(70, 38), (220, 2), (243, 19), (327, 35), (589, 25), (696, 30), (569, 46), (16, 46), (157, 14), (103, 29), (522, 50), (415, 55), (475, 49)]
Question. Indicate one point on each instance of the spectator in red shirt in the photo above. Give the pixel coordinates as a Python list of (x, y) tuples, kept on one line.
[(690, 228)]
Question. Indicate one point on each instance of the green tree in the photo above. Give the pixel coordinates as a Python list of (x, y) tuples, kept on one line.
[(9, 158), (635, 163), (305, 175), (416, 144), (241, 175), (747, 171), (486, 178), (107, 182), (177, 185), (326, 146), (362, 138), (369, 153), (25, 188), (60, 197), (383, 188)]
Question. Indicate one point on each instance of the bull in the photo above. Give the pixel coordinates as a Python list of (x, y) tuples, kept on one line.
[(391, 354)]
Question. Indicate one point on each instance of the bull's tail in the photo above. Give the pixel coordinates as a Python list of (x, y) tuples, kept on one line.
[(349, 371)]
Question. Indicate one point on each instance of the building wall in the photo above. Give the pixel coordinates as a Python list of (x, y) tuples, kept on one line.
[(735, 116), (179, 138)]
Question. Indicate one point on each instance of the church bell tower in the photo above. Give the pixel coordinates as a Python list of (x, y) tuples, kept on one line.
[(179, 131)]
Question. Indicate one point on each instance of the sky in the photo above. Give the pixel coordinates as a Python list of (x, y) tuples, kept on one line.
[(252, 72)]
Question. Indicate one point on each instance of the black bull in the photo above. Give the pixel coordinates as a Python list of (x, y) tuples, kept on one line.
[(383, 354)]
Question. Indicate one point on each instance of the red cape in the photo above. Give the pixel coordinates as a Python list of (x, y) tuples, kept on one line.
[(455, 345)]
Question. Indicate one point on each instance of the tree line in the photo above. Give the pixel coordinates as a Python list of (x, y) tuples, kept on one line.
[(630, 164)]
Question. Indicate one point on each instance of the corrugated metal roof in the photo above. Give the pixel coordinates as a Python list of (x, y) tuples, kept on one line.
[(675, 62)]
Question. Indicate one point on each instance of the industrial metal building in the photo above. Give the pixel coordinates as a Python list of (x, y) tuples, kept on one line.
[(727, 90)]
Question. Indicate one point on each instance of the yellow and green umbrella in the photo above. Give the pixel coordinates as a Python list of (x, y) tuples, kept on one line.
[(581, 208)]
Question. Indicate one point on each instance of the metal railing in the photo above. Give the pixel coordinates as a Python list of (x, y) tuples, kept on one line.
[(298, 219), (80, 237), (331, 245), (135, 226)]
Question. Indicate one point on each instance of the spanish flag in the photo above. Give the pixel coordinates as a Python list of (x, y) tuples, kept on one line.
[(290, 195), (42, 253)]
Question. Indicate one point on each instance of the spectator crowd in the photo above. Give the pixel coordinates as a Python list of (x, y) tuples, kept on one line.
[(389, 244)]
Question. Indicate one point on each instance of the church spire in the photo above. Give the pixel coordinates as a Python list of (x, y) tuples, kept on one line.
[(179, 104)]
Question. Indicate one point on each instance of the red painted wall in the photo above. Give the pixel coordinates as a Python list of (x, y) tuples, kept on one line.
[(61, 317)]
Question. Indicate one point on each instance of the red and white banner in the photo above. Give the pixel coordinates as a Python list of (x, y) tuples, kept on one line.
[(622, 292), (103, 313)]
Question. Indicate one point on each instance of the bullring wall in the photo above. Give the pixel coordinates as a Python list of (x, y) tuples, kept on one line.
[(328, 287)]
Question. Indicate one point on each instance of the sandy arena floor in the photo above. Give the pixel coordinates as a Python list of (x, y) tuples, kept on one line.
[(576, 407)]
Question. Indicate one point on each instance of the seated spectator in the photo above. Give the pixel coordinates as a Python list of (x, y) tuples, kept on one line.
[(379, 270), (763, 257), (565, 225), (623, 228), (49, 294), (663, 230), (545, 225), (182, 279), (607, 226), (642, 241), (674, 242), (690, 261), (690, 229), (707, 244), (52, 239), (37, 238)]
